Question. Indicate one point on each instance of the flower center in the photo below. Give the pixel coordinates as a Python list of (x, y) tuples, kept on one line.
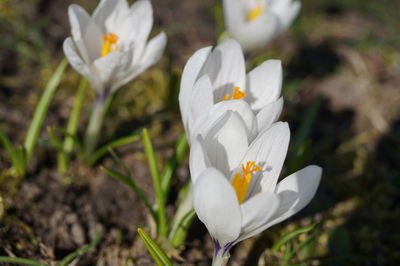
[(109, 43), (237, 94), (256, 11), (242, 180)]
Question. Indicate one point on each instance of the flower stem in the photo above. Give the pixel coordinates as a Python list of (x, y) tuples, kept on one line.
[(220, 258), (95, 123)]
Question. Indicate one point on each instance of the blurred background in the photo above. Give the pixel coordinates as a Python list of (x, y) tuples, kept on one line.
[(341, 63)]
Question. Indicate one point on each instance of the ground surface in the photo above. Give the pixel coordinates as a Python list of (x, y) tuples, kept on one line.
[(340, 56)]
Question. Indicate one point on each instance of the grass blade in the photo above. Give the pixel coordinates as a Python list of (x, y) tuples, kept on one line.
[(18, 162), (179, 236), (132, 185), (181, 148), (156, 252), (21, 261), (70, 257), (290, 235), (54, 139), (72, 128), (112, 145), (152, 161), (306, 127), (42, 108), (299, 247), (8, 147)]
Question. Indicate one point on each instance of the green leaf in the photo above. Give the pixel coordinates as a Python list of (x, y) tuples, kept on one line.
[(54, 139), (79, 252), (307, 123), (299, 247), (42, 108), (17, 159), (112, 145), (129, 181), (21, 162), (152, 161), (21, 261), (73, 121), (181, 148), (301, 158), (72, 128), (74, 138), (155, 251), (339, 242), (179, 236), (292, 234)]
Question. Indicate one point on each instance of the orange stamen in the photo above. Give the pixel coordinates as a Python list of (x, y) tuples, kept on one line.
[(241, 181), (109, 43), (255, 12), (237, 94)]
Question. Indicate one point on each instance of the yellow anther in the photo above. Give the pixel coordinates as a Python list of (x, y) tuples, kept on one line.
[(241, 181), (256, 11), (109, 43), (237, 94)]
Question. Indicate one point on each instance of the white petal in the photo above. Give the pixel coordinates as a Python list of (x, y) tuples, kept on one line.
[(295, 192), (256, 212), (226, 143), (109, 67), (264, 84), (108, 11), (268, 150), (202, 99), (269, 114), (77, 63), (189, 77), (279, 6), (216, 205), (256, 34), (198, 160), (233, 13), (153, 52), (85, 33), (226, 68), (74, 58), (142, 11), (240, 107), (287, 11)]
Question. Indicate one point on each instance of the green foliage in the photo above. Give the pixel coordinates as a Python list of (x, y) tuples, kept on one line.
[(21, 261), (42, 108), (292, 234), (70, 257), (160, 199), (72, 128), (111, 145), (156, 252), (302, 249), (64, 262), (16, 155), (303, 133), (181, 148), (179, 235), (128, 180), (339, 242)]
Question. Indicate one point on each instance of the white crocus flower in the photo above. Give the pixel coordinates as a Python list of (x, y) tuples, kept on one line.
[(236, 192), (253, 23), (111, 47), (216, 78)]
